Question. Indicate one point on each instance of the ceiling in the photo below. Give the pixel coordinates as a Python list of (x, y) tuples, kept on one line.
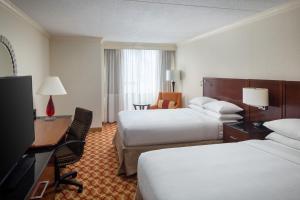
[(155, 21)]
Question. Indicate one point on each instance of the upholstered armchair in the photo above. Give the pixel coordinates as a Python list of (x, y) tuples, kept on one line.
[(168, 100)]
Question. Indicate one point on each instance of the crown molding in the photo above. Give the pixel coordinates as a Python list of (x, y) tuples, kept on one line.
[(139, 45), (76, 37), (19, 13), (257, 17)]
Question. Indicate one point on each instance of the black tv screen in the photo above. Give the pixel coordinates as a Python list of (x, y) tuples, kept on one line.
[(16, 121)]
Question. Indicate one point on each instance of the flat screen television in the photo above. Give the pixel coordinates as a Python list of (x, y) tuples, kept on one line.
[(16, 121)]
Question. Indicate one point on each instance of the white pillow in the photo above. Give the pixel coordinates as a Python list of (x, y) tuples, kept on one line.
[(284, 140), (286, 127), (200, 101), (227, 120), (223, 107), (196, 107), (223, 116)]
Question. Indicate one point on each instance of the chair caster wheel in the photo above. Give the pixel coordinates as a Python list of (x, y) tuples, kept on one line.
[(74, 175), (80, 190)]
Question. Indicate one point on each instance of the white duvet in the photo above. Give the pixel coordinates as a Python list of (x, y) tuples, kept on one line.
[(250, 170), (167, 126)]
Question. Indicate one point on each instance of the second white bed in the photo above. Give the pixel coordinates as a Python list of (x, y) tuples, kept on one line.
[(253, 169), (154, 127)]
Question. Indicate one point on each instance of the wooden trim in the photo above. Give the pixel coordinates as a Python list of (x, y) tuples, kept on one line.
[(284, 99), (96, 129), (292, 99)]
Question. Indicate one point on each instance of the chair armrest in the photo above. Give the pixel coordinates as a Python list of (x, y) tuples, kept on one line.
[(153, 107), (67, 143), (178, 106)]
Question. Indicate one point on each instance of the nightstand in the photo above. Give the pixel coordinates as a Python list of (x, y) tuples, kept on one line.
[(240, 131)]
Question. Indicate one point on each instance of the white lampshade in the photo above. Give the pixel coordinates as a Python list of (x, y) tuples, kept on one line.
[(52, 86), (257, 97), (172, 75)]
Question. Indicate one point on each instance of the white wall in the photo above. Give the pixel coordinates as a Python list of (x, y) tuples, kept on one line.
[(264, 47), (31, 46), (77, 61)]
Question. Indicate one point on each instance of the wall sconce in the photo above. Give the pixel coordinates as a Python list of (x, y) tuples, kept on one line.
[(256, 97)]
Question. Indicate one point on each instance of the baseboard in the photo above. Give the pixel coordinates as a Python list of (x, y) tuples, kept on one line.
[(96, 129)]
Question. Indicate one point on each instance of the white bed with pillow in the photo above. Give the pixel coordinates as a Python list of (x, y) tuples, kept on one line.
[(144, 130), (253, 169)]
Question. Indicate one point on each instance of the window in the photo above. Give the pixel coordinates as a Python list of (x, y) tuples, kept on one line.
[(134, 77), (140, 76)]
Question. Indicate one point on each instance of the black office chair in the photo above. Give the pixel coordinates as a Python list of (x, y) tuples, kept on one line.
[(72, 149)]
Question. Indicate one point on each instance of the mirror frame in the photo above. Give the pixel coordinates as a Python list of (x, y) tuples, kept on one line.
[(8, 46)]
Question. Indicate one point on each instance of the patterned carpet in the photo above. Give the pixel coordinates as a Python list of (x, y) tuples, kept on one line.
[(97, 171)]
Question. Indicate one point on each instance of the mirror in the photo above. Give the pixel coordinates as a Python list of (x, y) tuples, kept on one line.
[(7, 58), (6, 65)]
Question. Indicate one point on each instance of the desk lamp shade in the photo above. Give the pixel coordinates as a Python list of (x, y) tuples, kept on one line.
[(51, 86)]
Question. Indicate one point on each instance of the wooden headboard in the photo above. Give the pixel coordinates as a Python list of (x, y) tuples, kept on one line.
[(284, 96), (226, 89), (292, 99)]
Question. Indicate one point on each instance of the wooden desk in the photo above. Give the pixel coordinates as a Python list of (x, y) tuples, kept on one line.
[(49, 133), (28, 184)]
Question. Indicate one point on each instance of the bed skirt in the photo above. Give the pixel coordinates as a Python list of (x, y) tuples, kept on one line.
[(138, 195), (128, 156)]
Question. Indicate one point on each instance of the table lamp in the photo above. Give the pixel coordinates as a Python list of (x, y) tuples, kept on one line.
[(173, 76), (51, 86), (256, 97)]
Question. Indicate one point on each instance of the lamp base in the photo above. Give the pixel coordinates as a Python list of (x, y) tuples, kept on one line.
[(50, 110), (52, 118), (173, 86)]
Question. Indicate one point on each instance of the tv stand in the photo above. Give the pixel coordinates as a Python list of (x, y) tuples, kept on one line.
[(21, 169), (26, 176), (40, 177)]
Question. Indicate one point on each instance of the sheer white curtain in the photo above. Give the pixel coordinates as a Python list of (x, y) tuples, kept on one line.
[(134, 77), (112, 59), (140, 77)]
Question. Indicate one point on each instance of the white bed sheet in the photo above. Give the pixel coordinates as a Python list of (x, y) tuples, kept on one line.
[(167, 126), (255, 169)]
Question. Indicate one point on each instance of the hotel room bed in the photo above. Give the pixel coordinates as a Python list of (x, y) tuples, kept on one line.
[(141, 131), (247, 170)]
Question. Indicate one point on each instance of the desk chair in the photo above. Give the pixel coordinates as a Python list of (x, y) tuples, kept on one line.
[(72, 149)]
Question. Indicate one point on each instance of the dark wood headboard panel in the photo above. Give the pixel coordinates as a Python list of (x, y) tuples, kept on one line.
[(292, 99), (226, 89), (276, 104), (284, 96)]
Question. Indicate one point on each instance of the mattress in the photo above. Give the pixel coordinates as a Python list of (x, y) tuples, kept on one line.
[(167, 126), (254, 169)]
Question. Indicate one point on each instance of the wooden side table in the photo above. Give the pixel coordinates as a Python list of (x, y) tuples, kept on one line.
[(141, 106), (236, 132)]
